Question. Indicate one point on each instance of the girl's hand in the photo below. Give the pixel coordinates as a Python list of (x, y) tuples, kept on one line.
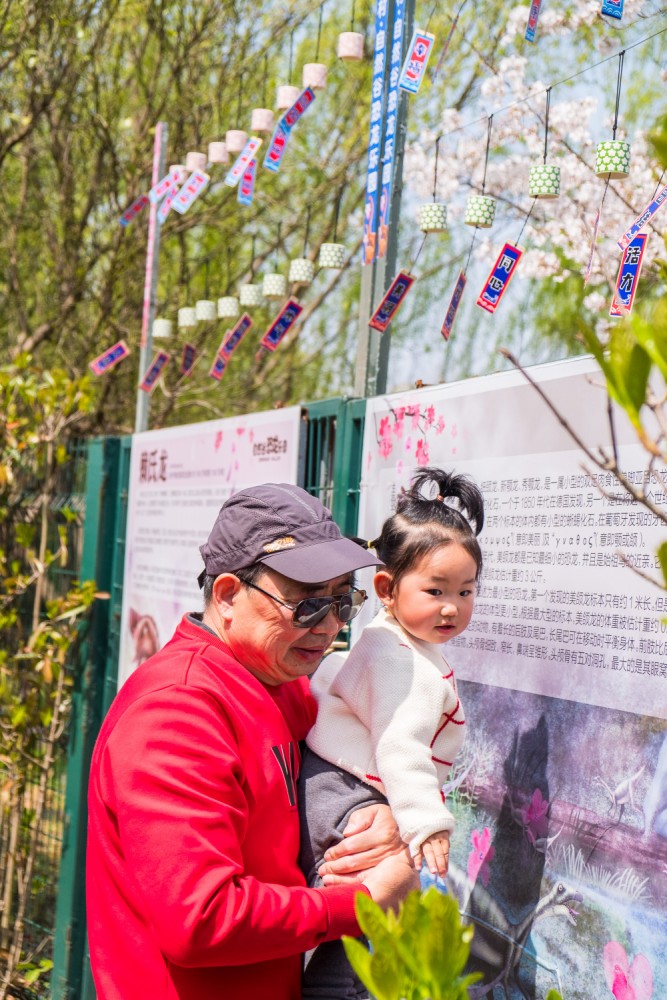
[(435, 851)]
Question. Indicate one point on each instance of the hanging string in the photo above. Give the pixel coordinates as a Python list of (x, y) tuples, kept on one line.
[(546, 123), (240, 95), (336, 214), (435, 168), (266, 76), (421, 247), (488, 147), (448, 40), (291, 56), (474, 237), (305, 241), (352, 18), (525, 222), (278, 246), (430, 16), (206, 279), (252, 259), (319, 34), (621, 56), (659, 184)]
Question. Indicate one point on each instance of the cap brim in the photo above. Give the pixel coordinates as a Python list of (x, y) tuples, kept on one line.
[(321, 561)]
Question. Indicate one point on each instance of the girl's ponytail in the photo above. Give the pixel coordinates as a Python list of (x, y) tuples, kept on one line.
[(457, 494)]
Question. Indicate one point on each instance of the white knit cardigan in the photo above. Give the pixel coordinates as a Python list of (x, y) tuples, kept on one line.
[(389, 713)]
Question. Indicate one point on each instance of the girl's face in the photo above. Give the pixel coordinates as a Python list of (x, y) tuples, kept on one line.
[(434, 600)]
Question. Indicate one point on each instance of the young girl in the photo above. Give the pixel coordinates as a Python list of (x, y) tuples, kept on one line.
[(389, 721)]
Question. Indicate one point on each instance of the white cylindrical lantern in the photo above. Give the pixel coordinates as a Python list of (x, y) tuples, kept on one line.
[(196, 161), (187, 316), (350, 45), (181, 170), (261, 120), (286, 96), (480, 211), (433, 217), (235, 140), (217, 152), (613, 159), (301, 271), (544, 181), (332, 255), (206, 310), (161, 328), (251, 295), (274, 286), (315, 76), (228, 307)]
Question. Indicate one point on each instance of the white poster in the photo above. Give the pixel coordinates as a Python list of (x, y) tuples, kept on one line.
[(560, 794), (179, 479)]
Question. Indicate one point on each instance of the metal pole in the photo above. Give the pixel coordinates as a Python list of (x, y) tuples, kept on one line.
[(150, 284), (373, 347)]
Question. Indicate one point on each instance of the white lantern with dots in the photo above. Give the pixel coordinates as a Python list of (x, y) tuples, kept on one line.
[(235, 140), (315, 76), (196, 161), (218, 152), (187, 317), (206, 310), (251, 295), (332, 255), (351, 45), (274, 286), (228, 307), (286, 96)]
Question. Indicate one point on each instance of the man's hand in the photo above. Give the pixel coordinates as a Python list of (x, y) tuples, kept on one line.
[(435, 850), (370, 836), (391, 880)]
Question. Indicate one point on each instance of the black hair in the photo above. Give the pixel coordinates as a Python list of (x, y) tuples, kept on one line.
[(247, 575), (454, 513)]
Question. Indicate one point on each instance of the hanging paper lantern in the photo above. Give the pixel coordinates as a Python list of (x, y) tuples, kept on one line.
[(544, 181), (182, 171), (235, 140), (218, 152), (613, 159), (286, 96), (161, 328), (332, 255), (187, 316), (350, 45), (251, 295), (432, 217), (206, 310), (274, 286), (196, 161), (301, 271), (315, 76), (261, 120), (228, 307), (480, 211)]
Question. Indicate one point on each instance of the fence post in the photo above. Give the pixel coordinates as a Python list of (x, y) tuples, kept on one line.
[(96, 562)]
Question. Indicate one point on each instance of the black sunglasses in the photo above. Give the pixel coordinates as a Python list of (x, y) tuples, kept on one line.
[(312, 610)]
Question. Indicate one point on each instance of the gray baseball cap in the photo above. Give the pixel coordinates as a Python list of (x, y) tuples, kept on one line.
[(284, 528)]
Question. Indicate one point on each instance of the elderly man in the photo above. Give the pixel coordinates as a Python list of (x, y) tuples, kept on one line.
[(193, 887)]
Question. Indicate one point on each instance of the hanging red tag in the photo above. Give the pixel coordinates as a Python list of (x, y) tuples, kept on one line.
[(188, 359), (393, 298), (109, 359), (628, 276), (454, 303), (499, 279), (283, 322), (149, 380)]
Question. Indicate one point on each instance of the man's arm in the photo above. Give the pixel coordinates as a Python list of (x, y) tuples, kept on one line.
[(370, 837)]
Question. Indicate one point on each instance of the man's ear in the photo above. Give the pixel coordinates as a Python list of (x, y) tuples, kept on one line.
[(384, 585), (225, 588)]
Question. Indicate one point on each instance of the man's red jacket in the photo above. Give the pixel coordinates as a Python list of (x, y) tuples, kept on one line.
[(193, 889)]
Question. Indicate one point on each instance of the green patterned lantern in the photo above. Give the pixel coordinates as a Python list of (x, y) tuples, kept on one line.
[(206, 310), (187, 316), (332, 255), (161, 328), (544, 181), (480, 211), (274, 286), (301, 271), (613, 159), (432, 217), (228, 307), (251, 295)]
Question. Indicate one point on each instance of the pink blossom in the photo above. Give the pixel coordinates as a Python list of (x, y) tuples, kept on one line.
[(430, 416), (398, 427), (421, 452), (399, 413), (534, 817), (408, 443), (633, 983), (218, 440), (415, 418), (386, 447), (385, 428), (440, 426), (482, 853)]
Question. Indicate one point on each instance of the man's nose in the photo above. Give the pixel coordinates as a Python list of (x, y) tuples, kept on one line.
[(329, 624)]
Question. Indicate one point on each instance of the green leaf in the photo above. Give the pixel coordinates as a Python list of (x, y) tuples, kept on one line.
[(662, 558)]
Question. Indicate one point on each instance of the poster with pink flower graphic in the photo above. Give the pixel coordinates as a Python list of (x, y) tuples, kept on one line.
[(179, 479), (559, 854)]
